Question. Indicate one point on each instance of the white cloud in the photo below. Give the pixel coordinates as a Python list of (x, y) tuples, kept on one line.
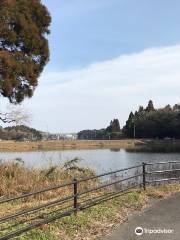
[(92, 96)]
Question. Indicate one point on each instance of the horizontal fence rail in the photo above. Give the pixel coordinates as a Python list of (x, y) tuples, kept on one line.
[(84, 193)]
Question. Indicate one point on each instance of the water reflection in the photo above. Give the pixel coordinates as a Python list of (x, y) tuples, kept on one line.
[(115, 149)]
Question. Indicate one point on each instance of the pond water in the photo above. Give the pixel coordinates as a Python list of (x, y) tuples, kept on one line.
[(99, 160)]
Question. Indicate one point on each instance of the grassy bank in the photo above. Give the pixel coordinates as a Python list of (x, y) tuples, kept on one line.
[(131, 145), (16, 179), (88, 224), (12, 146)]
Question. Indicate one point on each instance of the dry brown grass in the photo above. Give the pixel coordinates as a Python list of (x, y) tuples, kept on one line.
[(12, 146), (16, 179), (162, 191), (89, 224)]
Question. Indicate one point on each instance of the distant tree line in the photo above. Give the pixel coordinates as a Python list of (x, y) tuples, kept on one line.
[(113, 131), (147, 122), (20, 133), (150, 122)]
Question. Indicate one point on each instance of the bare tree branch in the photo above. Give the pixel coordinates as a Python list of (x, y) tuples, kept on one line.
[(5, 119), (16, 115)]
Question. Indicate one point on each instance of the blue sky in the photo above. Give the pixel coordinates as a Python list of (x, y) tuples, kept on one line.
[(107, 58), (86, 31)]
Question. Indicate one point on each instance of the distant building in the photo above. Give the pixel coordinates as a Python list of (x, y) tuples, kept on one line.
[(59, 136), (68, 136)]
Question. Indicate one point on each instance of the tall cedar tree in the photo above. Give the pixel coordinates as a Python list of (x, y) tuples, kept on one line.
[(24, 48), (150, 106), (114, 126)]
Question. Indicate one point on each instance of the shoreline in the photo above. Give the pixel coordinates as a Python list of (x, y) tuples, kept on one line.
[(13, 146), (132, 145)]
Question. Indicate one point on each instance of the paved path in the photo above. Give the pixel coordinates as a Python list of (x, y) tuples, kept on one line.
[(163, 214)]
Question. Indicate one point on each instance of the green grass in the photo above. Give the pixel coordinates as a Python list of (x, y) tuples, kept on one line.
[(100, 219), (91, 222)]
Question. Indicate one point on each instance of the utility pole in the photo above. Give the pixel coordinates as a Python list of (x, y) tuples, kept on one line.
[(134, 130)]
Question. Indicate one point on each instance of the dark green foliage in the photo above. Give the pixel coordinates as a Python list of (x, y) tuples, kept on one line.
[(145, 123), (150, 106), (113, 131), (129, 127), (23, 47), (93, 134), (114, 126), (154, 123)]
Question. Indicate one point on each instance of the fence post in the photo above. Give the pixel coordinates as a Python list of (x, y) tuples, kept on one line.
[(144, 175), (75, 195)]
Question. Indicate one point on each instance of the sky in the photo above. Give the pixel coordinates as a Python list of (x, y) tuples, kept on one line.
[(107, 58)]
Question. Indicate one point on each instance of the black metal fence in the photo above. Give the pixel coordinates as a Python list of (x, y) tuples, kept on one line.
[(82, 194)]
